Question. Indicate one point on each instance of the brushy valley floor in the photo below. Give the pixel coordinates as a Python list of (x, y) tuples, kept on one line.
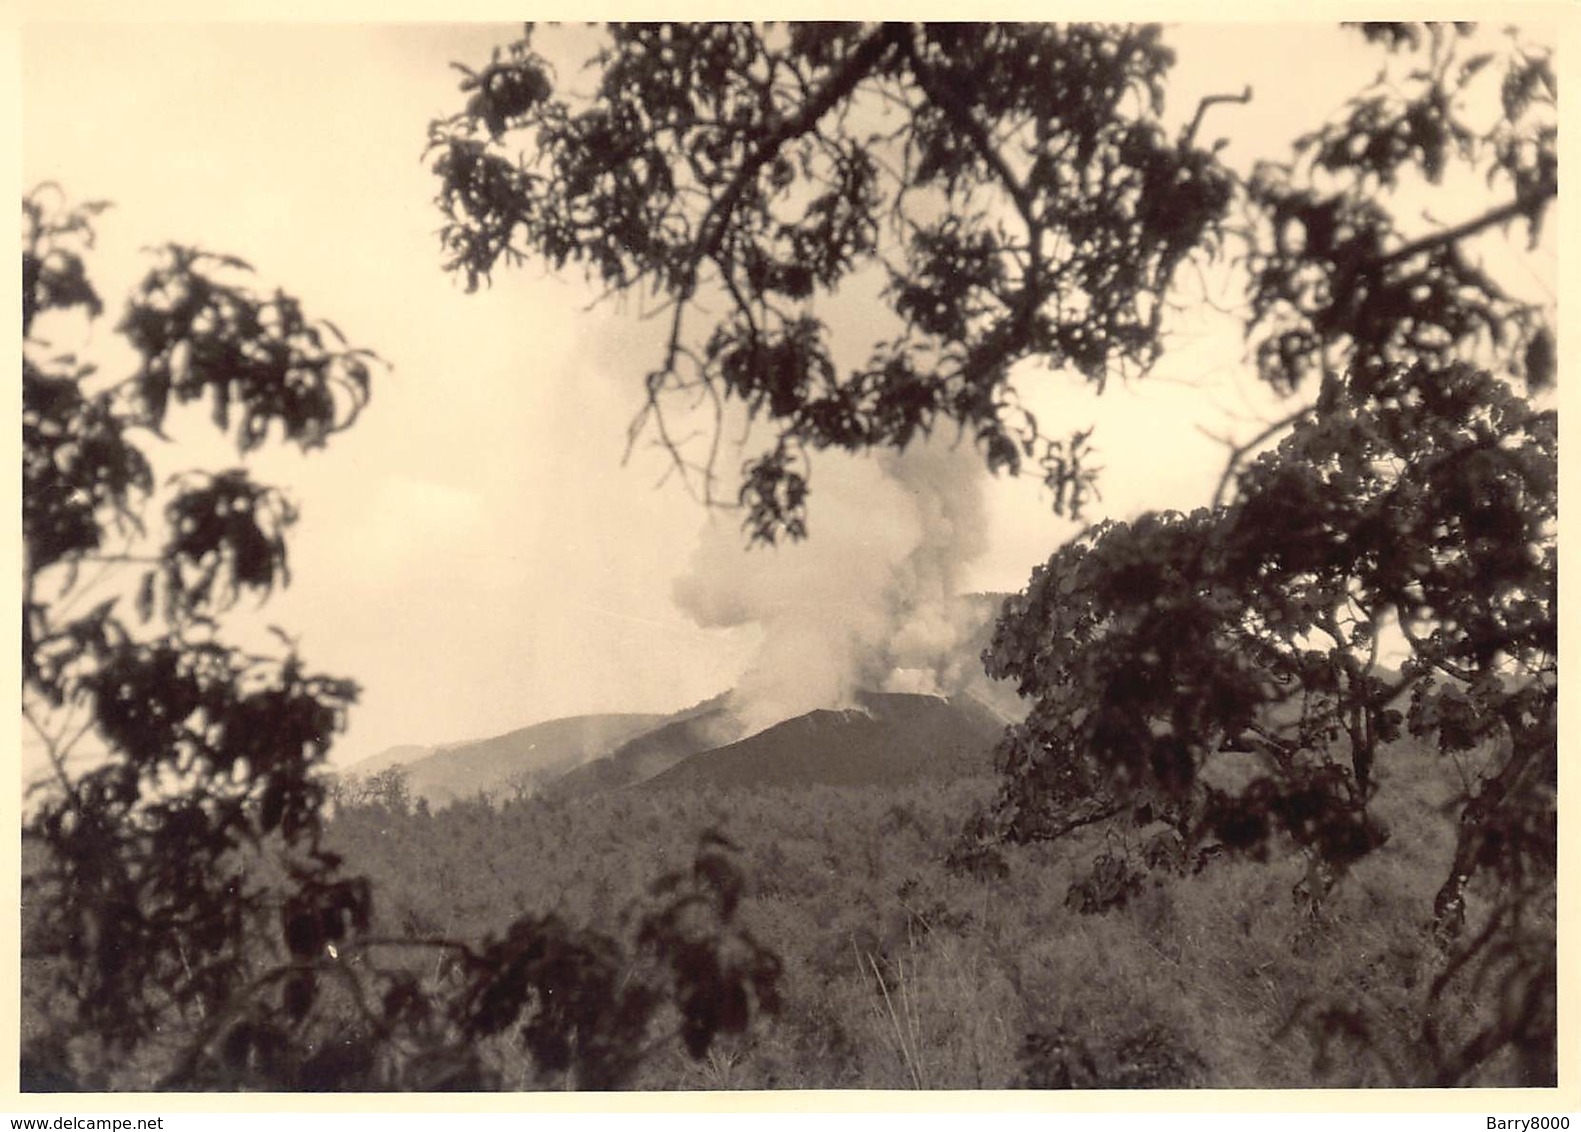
[(899, 973)]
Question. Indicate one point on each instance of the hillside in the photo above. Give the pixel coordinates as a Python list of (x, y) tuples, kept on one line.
[(652, 752), (892, 738), (582, 755), (402, 755), (532, 754)]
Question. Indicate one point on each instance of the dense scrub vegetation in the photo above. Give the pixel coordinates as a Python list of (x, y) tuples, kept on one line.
[(909, 963)]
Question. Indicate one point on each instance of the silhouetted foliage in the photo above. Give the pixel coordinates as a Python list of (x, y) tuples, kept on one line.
[(1012, 183), (587, 1008), (150, 890), (1417, 498), (186, 925), (1013, 189)]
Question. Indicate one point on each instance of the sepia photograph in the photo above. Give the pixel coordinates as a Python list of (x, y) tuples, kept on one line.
[(768, 557)]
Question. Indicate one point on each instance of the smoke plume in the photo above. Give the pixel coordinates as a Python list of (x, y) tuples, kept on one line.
[(866, 601)]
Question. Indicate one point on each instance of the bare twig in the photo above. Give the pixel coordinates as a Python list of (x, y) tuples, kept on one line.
[(1187, 138), (1518, 207), (1239, 452)]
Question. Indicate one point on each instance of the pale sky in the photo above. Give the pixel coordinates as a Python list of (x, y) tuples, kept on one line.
[(473, 552)]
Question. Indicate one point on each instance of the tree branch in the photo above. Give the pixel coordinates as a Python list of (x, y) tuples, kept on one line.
[(1187, 138), (52, 751), (1239, 452), (933, 86), (1093, 810), (839, 84), (715, 222), (1517, 207)]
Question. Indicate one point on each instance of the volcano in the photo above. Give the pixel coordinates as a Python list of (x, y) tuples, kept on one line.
[(653, 752), (888, 738), (900, 733)]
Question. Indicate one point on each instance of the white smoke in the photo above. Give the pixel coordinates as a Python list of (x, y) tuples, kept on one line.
[(866, 601)]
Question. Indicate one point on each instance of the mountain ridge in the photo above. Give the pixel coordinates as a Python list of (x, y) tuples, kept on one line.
[(905, 732), (533, 754), (888, 737)]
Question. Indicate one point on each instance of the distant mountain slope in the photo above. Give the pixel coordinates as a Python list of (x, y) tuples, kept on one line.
[(538, 753), (682, 735), (390, 756), (894, 737), (899, 734)]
